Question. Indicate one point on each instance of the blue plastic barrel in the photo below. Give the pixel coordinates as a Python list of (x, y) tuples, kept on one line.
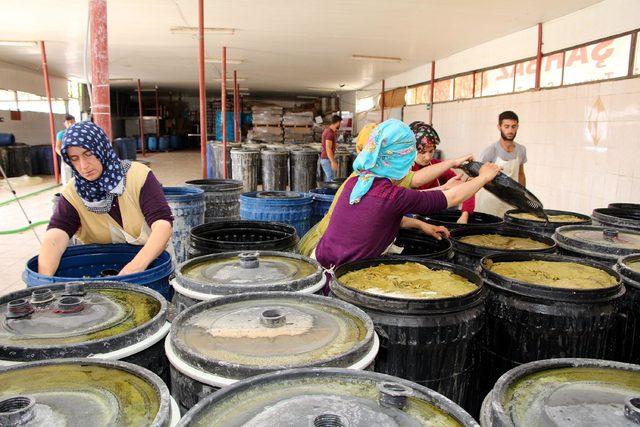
[(210, 171), (163, 143), (246, 118), (187, 206), (129, 148), (7, 139), (322, 199), (91, 263), (230, 126), (139, 144), (175, 142), (287, 207), (153, 143), (120, 148)]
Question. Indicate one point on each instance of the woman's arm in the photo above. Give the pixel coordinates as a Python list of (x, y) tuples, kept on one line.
[(434, 231), (157, 242), (428, 174), (54, 244), (464, 191)]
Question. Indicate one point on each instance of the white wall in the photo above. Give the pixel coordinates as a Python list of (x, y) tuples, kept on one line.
[(567, 168), (33, 128), (15, 77)]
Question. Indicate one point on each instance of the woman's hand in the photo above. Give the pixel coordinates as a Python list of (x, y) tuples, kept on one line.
[(131, 268), (435, 231), (460, 160), (455, 181), (488, 171)]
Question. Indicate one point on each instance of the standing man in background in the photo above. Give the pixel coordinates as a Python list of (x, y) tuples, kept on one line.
[(65, 170), (329, 143), (507, 154)]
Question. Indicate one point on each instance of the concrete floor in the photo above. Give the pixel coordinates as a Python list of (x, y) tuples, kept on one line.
[(171, 169)]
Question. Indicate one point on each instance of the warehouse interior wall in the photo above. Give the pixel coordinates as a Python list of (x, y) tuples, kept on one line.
[(32, 128), (579, 139), (15, 77)]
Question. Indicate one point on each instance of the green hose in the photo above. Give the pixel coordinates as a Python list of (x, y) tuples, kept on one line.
[(25, 228), (6, 202)]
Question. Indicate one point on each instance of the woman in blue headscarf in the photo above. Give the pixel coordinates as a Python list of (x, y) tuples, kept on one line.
[(108, 201), (370, 210)]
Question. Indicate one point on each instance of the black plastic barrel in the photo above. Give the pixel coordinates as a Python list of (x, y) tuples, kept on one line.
[(527, 322), (625, 206), (541, 226), (302, 170), (41, 157), (617, 218), (343, 158), (416, 244), (434, 342), (18, 160), (628, 340), (470, 255), (275, 170), (229, 236), (221, 198), (565, 392), (601, 244), (245, 165), (450, 217), (336, 183)]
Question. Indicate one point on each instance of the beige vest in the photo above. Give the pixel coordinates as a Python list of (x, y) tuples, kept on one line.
[(101, 228)]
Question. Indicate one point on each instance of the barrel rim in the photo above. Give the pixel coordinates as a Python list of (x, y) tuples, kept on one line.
[(496, 281), (498, 413), (241, 371), (508, 219), (289, 232), (629, 276), (182, 194), (415, 235), (496, 220), (164, 410), (408, 305), (216, 185), (476, 251), (620, 218), (116, 342), (298, 197), (432, 397), (230, 289), (625, 206)]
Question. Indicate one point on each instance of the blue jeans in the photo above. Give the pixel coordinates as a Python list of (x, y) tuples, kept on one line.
[(326, 167)]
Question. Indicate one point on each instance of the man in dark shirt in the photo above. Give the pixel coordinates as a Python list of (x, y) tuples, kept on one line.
[(329, 142)]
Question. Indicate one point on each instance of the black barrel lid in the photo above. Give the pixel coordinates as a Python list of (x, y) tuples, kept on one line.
[(508, 190), (82, 392), (568, 392), (326, 397), (243, 335), (599, 242), (77, 319), (238, 272)]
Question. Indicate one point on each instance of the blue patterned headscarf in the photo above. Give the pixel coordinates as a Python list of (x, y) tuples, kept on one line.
[(96, 195), (389, 153)]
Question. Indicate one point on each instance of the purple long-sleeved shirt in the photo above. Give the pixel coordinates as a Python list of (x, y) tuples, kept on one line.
[(152, 203), (366, 229)]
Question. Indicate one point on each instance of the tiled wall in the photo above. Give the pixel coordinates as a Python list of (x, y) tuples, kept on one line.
[(32, 128), (583, 142)]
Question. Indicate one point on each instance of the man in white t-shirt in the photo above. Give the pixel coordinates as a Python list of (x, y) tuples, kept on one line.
[(507, 154)]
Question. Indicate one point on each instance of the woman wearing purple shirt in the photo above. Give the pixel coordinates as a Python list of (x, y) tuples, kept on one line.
[(368, 213)]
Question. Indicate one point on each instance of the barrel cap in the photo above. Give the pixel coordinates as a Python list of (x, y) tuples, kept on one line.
[(77, 319), (326, 397), (86, 392), (249, 271), (243, 335), (567, 392)]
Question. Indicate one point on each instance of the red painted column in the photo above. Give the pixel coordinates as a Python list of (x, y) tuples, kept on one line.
[(52, 127), (141, 119), (223, 107), (100, 101), (236, 115), (202, 90), (433, 80)]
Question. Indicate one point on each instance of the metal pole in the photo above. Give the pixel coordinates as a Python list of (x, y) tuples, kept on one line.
[(235, 105), (539, 57), (202, 90), (433, 78), (52, 127), (158, 115), (100, 100), (382, 103), (223, 113), (141, 120), (6, 179)]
